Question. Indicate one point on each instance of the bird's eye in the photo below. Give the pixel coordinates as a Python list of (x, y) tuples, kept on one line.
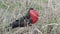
[(17, 20)]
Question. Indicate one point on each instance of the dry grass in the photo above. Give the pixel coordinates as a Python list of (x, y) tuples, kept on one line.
[(49, 11)]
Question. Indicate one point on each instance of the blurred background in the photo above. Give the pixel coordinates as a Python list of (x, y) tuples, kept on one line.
[(49, 14)]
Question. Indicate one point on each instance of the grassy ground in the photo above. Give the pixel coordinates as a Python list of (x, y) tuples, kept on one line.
[(11, 10)]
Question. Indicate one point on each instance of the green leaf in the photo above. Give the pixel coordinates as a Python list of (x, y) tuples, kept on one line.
[(52, 20), (14, 6), (45, 0), (3, 6)]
